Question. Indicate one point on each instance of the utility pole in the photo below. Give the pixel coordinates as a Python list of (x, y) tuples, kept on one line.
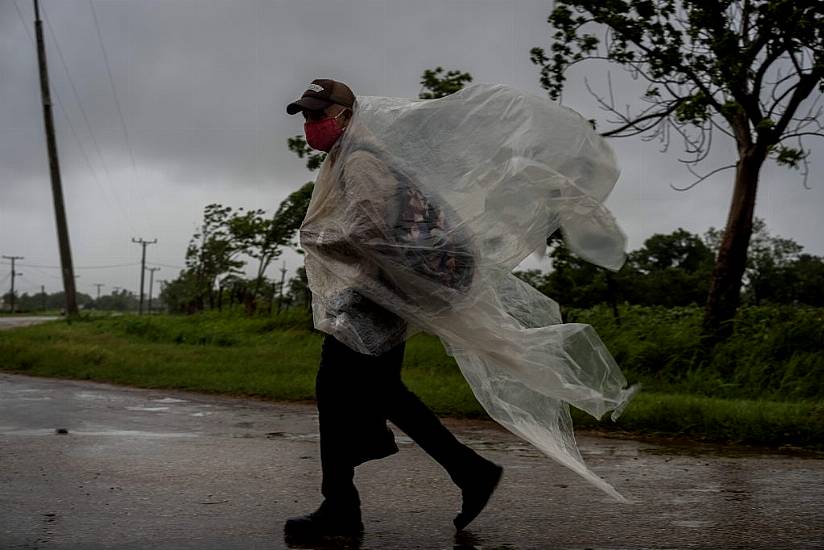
[(43, 296), (67, 268), (151, 283), (13, 275), (282, 279), (98, 285), (142, 268)]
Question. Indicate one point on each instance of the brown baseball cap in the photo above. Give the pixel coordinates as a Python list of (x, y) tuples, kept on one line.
[(322, 93)]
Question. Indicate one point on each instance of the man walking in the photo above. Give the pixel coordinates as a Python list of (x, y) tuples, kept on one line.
[(357, 392)]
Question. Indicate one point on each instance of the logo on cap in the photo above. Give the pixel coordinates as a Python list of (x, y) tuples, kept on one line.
[(315, 87)]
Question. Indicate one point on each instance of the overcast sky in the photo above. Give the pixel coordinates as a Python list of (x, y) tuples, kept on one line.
[(202, 87)]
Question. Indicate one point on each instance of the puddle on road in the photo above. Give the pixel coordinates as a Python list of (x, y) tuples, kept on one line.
[(5, 430), (43, 398), (170, 400), (292, 436), (696, 450), (693, 524), (87, 395), (147, 409)]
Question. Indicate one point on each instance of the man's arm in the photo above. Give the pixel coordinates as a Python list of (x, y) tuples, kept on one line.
[(370, 189), (361, 229)]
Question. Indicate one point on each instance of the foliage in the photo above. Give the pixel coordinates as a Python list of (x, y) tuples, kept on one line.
[(673, 270), (436, 84), (44, 301), (180, 295), (290, 214), (298, 145), (774, 352), (217, 253), (212, 252), (745, 68), (117, 300), (299, 294), (668, 270), (700, 60)]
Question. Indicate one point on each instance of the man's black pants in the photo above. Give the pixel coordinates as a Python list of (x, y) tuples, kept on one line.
[(356, 395)]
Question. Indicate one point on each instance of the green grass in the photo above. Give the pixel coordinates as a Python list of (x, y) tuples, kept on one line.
[(774, 353), (276, 358)]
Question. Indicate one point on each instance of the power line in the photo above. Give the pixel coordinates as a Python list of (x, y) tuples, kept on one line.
[(116, 100), (64, 111), (112, 266), (111, 82), (41, 272), (57, 95), (88, 126), (167, 265)]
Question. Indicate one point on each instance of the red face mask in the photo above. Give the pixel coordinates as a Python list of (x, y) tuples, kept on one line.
[(323, 134)]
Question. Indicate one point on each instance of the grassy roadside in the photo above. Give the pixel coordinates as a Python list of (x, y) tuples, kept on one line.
[(277, 358)]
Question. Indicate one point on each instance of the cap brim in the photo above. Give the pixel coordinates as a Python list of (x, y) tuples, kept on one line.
[(307, 104)]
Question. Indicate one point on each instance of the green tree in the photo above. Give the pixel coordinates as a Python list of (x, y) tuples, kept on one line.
[(299, 293), (253, 234), (181, 295), (213, 252), (768, 260), (436, 84), (34, 302), (803, 284), (298, 145), (290, 214), (668, 270), (745, 68)]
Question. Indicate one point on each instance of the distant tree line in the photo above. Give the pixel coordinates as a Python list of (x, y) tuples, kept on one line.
[(674, 270), (119, 300)]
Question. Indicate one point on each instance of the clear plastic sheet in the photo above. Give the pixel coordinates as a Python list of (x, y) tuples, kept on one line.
[(418, 217)]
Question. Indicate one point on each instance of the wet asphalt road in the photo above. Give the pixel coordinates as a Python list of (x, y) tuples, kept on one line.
[(163, 469)]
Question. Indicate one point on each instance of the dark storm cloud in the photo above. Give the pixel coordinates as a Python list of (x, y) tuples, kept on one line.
[(202, 88)]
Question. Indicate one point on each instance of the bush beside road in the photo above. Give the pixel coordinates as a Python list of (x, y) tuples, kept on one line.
[(276, 358)]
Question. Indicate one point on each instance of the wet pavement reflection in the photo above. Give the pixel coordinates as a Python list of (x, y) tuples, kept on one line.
[(86, 465)]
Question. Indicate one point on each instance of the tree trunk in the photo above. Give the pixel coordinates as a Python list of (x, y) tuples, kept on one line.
[(725, 287)]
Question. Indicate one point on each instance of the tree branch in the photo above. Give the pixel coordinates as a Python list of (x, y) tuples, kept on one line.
[(701, 178), (805, 85), (801, 134), (634, 123)]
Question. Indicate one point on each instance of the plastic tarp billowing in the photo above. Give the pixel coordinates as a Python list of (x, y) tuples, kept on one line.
[(418, 217)]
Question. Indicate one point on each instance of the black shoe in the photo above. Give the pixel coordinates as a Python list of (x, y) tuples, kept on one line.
[(326, 521), (476, 493)]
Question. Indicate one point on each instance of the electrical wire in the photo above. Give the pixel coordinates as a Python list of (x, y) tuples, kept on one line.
[(117, 102), (89, 127), (111, 266), (62, 108), (111, 82), (165, 265)]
